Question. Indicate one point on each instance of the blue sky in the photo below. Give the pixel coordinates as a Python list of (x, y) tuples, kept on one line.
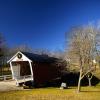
[(43, 23)]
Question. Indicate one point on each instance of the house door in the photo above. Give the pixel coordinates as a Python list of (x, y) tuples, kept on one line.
[(16, 70)]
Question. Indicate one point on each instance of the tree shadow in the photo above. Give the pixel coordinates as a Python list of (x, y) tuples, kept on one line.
[(72, 80)]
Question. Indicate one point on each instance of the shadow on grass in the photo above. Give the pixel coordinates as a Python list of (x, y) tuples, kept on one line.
[(90, 91)]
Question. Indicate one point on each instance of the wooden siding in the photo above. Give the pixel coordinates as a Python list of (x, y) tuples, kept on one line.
[(44, 72)]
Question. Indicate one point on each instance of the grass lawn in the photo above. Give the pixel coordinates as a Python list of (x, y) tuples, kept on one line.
[(88, 93)]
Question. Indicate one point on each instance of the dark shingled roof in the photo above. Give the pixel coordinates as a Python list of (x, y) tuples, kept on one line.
[(40, 58)]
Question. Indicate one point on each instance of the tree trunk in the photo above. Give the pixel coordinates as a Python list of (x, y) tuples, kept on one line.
[(79, 82), (89, 79), (1, 70)]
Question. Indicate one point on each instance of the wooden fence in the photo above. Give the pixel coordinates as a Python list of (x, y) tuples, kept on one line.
[(5, 77)]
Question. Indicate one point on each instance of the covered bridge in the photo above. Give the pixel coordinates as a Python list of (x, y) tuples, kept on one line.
[(33, 67)]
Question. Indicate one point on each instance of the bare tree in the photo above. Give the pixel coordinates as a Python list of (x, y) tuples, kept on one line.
[(42, 51), (2, 45), (26, 48), (83, 45), (3, 49), (58, 54), (23, 48)]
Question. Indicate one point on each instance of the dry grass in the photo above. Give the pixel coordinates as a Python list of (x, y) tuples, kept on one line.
[(88, 93)]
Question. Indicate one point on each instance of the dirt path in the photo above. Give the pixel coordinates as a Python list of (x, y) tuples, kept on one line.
[(9, 85)]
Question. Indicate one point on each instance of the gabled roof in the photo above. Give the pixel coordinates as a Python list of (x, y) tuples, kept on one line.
[(39, 58), (19, 52), (35, 57)]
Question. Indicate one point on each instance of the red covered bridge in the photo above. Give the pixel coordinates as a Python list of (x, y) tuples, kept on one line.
[(39, 69)]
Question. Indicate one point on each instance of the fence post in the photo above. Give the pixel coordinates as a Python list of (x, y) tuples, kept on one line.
[(4, 78)]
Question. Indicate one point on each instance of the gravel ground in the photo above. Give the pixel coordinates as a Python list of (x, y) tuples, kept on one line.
[(9, 85)]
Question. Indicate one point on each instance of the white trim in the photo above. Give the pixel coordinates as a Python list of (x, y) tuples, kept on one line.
[(17, 84), (16, 55), (31, 69), (12, 70)]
